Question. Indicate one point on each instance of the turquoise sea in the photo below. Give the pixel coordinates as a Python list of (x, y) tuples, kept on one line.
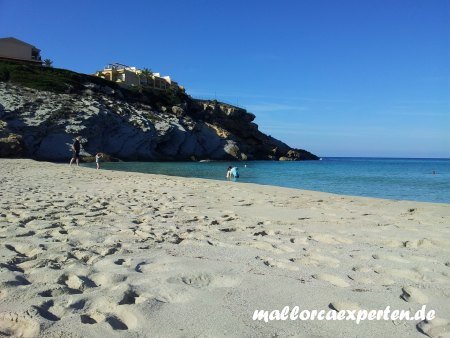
[(392, 178)]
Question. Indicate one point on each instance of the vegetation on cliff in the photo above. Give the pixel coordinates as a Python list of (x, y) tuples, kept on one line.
[(63, 81)]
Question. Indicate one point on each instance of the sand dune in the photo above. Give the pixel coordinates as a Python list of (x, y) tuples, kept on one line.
[(87, 253)]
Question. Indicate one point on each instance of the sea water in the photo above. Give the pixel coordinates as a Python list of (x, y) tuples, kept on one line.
[(425, 180)]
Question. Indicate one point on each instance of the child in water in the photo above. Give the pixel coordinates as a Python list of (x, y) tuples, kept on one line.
[(229, 172), (97, 159)]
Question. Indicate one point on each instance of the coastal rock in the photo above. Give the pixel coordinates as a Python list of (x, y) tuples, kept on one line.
[(11, 145), (127, 125), (178, 111)]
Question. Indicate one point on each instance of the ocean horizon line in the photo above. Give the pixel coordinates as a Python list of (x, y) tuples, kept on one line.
[(389, 157)]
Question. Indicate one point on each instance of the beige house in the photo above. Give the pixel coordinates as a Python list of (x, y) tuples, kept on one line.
[(121, 74), (132, 76), (18, 50)]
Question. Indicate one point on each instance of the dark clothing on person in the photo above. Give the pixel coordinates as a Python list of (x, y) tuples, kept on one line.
[(76, 149), (77, 146)]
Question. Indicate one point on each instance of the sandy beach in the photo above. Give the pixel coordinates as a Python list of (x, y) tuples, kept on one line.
[(96, 253)]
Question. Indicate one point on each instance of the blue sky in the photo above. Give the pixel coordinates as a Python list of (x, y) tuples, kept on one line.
[(338, 78)]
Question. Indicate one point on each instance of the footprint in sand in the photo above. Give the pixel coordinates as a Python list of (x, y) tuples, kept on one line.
[(228, 229), (49, 311), (18, 281), (266, 246), (131, 297), (106, 279), (329, 239), (74, 282), (203, 280), (438, 327), (408, 274), (281, 264), (18, 325), (123, 262), (86, 319), (391, 258), (116, 323), (412, 294), (119, 320), (315, 259), (340, 306), (195, 280), (82, 256), (422, 243), (332, 279)]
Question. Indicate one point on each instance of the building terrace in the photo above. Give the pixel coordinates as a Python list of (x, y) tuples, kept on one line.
[(132, 76)]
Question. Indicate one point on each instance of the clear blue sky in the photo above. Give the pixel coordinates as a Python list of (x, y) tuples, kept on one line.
[(338, 78)]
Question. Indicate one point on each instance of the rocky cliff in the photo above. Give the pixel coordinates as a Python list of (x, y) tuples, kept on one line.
[(42, 110)]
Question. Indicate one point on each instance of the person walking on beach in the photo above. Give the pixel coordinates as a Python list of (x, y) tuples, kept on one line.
[(76, 147), (97, 159)]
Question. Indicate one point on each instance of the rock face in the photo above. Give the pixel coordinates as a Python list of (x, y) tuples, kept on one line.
[(10, 143), (42, 124)]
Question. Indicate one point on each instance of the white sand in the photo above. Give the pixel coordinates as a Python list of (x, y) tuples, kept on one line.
[(88, 253)]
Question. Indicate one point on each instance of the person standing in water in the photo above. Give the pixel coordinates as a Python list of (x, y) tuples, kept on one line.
[(229, 172), (234, 172), (98, 156), (76, 147)]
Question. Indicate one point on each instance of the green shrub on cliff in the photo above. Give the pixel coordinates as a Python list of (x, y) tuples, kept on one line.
[(65, 81), (41, 78)]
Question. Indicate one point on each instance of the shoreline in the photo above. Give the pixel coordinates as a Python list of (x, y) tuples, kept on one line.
[(274, 186), (92, 252), (90, 166)]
